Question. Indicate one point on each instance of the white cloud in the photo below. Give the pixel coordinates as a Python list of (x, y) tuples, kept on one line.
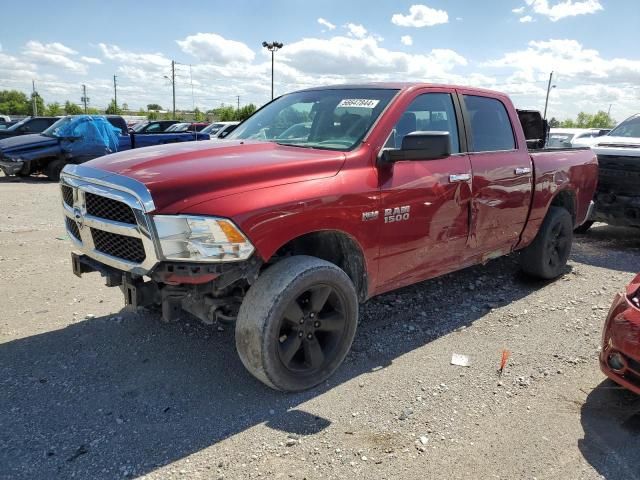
[(211, 47), (526, 19), (420, 16), (326, 23), (356, 30), (566, 8), (406, 40), (355, 56), (113, 52), (93, 60), (518, 10), (55, 54)]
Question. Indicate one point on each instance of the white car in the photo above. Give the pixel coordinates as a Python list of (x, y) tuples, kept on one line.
[(623, 141), (219, 130), (574, 137)]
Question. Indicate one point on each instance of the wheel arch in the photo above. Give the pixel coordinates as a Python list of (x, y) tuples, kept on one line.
[(334, 246), (565, 198)]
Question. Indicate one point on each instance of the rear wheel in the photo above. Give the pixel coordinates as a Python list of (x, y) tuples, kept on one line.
[(296, 323), (547, 255), (54, 168)]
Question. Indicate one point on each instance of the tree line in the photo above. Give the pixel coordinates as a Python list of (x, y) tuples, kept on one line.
[(14, 102), (585, 120)]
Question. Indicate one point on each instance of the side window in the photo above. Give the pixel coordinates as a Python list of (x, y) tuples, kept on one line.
[(154, 127), (38, 125), (490, 126), (428, 112)]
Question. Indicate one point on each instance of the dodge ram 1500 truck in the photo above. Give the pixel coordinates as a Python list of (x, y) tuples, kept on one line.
[(390, 185), (617, 199), (68, 141)]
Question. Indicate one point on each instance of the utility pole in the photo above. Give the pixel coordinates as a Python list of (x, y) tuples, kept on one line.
[(272, 47), (84, 98), (115, 94), (173, 84), (609, 111), (546, 102), (34, 95), (238, 101)]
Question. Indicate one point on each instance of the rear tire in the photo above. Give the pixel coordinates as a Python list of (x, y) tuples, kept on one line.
[(54, 168), (296, 323), (584, 227), (547, 255)]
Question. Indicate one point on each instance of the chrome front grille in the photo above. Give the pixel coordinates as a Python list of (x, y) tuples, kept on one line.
[(108, 221), (121, 246), (104, 207)]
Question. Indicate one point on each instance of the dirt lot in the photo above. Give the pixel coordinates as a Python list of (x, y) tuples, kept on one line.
[(88, 390)]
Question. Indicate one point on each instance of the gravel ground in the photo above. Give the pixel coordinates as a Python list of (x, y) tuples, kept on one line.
[(88, 390)]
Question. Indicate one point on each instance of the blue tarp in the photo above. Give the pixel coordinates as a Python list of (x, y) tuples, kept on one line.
[(90, 131)]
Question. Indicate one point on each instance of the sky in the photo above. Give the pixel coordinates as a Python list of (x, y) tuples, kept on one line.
[(507, 45)]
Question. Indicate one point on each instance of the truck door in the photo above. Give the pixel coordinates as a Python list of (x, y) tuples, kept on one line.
[(425, 203), (502, 175)]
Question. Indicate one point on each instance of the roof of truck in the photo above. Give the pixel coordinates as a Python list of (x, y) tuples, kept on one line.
[(402, 86)]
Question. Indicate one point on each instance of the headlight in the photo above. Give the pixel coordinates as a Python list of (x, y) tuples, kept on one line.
[(206, 239)]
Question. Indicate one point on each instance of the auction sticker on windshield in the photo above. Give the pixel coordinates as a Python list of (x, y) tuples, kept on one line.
[(358, 102)]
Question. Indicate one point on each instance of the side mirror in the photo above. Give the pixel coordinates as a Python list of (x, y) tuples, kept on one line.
[(419, 146)]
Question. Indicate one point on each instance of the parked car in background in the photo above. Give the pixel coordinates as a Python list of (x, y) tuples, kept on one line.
[(28, 126), (219, 130), (156, 126), (393, 184), (74, 140), (617, 199), (574, 137), (187, 127), (620, 354)]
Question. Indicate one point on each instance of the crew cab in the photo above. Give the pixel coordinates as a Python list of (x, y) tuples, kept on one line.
[(392, 184), (157, 126), (72, 140), (617, 200)]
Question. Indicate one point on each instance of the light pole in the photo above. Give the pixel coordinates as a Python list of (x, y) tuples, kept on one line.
[(173, 85), (546, 101), (272, 47)]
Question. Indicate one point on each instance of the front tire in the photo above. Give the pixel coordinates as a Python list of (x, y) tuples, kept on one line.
[(54, 169), (296, 323), (547, 255)]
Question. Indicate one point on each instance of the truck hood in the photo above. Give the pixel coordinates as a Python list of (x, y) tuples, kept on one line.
[(24, 143), (620, 146), (182, 175)]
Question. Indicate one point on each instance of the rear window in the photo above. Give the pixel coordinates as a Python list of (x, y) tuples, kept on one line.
[(490, 125), (560, 140)]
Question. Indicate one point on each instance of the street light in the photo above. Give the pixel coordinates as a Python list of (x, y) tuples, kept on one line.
[(272, 47)]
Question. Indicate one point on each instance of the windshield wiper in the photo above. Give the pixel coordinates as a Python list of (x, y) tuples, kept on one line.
[(294, 145)]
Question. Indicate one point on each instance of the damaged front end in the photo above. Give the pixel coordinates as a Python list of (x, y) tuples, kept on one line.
[(620, 355), (618, 195)]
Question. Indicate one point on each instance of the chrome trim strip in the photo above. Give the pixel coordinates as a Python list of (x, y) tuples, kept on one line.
[(77, 175)]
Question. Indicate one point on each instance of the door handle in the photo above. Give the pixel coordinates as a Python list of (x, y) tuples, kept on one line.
[(522, 170), (459, 177)]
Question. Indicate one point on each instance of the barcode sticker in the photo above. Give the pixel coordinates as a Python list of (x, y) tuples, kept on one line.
[(358, 102)]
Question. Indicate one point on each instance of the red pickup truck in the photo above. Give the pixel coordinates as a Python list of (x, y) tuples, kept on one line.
[(321, 200)]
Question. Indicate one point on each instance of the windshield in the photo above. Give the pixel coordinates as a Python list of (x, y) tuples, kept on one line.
[(139, 126), (213, 128), (52, 130), (629, 128), (559, 140), (332, 119), (15, 126)]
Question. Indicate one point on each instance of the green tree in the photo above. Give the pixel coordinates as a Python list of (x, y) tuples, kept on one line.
[(198, 116), (602, 120), (112, 109), (13, 102), (54, 109), (568, 123), (154, 106), (554, 122), (72, 108), (245, 112), (93, 111), (153, 115)]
